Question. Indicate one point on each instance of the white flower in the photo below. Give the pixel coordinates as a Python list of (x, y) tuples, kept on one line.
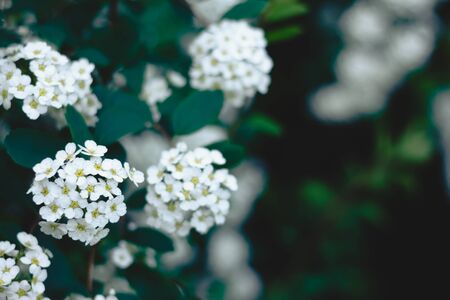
[(82, 69), (79, 230), (56, 230), (108, 188), (115, 208), (76, 206), (43, 93), (121, 257), (95, 214), (76, 171), (19, 290), (37, 259), (32, 108), (35, 50), (21, 87), (98, 235), (6, 248), (155, 174), (28, 240), (52, 211), (55, 82), (185, 191), (231, 56), (134, 175), (5, 95), (77, 194), (202, 221), (92, 149), (43, 191), (89, 189), (112, 168), (37, 282), (8, 270), (68, 154)]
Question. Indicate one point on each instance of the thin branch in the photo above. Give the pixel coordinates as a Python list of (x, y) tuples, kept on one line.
[(90, 269), (162, 131)]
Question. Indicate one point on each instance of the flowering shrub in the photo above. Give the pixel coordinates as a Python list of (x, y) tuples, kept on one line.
[(82, 191), (46, 81), (186, 192), (231, 56), (81, 83), (23, 270)]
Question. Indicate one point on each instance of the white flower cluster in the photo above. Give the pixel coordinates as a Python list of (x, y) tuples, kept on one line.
[(156, 86), (83, 191), (384, 41), (231, 56), (23, 272), (110, 296), (185, 191), (46, 80)]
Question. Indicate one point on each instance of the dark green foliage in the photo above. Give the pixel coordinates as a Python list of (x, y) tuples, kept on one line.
[(28, 147), (196, 111)]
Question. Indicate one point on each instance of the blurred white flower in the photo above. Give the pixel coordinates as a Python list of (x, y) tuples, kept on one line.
[(211, 11), (231, 56)]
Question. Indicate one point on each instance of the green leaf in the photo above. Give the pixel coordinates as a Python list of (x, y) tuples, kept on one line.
[(150, 284), (283, 34), (415, 146), (147, 237), (317, 194), (135, 77), (263, 124), (28, 147), (122, 296), (54, 33), (247, 10), (233, 153), (94, 56), (77, 126), (162, 23), (197, 111), (120, 117), (284, 9), (137, 199)]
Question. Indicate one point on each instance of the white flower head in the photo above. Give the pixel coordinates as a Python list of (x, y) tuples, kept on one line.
[(92, 149), (185, 191), (49, 82), (23, 273), (78, 193), (231, 56)]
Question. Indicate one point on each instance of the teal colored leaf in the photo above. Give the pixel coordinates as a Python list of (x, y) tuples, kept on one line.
[(196, 111), (150, 284), (282, 34), (54, 33), (77, 126), (233, 153), (137, 199), (122, 116), (263, 124), (284, 9), (94, 56), (250, 9), (147, 237), (28, 147)]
